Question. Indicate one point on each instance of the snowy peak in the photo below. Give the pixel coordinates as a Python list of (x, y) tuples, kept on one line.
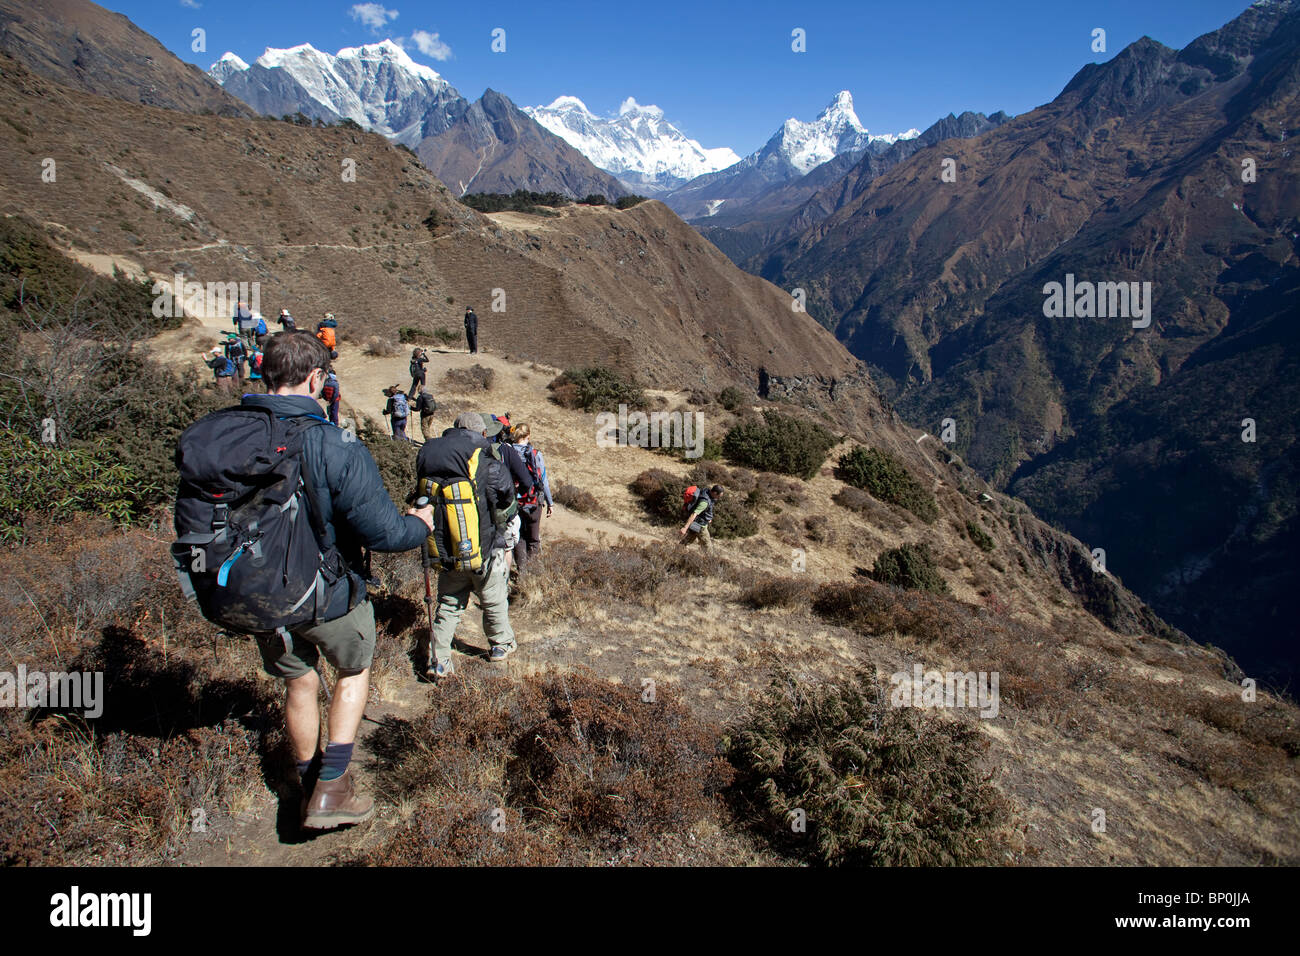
[(638, 145), (835, 131), (377, 85)]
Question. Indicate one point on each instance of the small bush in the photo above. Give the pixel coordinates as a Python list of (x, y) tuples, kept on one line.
[(583, 769), (877, 784), (476, 378), (731, 398), (575, 499), (909, 566), (595, 389), (595, 199), (627, 202), (396, 460), (446, 336), (779, 592), (779, 443), (409, 335), (380, 348), (983, 540), (888, 479), (818, 528)]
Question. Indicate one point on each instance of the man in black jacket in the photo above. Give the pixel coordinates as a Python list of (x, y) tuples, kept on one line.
[(443, 459), (471, 331), (355, 512)]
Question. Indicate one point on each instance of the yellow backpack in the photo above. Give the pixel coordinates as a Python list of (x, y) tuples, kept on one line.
[(455, 542)]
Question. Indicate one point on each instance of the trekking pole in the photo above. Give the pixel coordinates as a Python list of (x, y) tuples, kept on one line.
[(422, 502)]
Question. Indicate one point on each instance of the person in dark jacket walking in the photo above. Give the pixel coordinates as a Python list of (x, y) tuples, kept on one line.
[(398, 411), (237, 352), (443, 459), (223, 370), (331, 394), (245, 323), (530, 504), (426, 406), (287, 322), (419, 359), (353, 511), (471, 331)]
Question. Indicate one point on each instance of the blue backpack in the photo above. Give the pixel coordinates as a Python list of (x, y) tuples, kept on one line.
[(261, 326)]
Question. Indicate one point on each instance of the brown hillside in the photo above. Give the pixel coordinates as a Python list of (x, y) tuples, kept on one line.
[(87, 47), (637, 288)]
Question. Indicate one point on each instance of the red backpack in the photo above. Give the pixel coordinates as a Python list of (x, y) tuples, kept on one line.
[(690, 497), (529, 454)]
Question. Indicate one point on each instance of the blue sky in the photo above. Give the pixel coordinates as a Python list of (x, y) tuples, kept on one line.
[(723, 72)]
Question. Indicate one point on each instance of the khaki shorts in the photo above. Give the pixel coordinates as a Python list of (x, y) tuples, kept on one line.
[(348, 643)]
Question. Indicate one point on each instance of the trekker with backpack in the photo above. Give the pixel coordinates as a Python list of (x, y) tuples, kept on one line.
[(237, 352), (698, 508), (471, 331), (273, 510), (530, 505), (475, 500), (419, 359), (287, 322), (398, 411), (246, 324), (255, 366), (260, 331), (426, 406), (326, 331), (331, 394), (223, 369)]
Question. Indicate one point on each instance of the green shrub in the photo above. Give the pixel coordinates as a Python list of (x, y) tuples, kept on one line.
[(661, 492), (595, 199), (446, 336), (595, 389), (409, 335), (888, 479), (521, 200), (42, 479), (779, 443), (909, 566), (875, 784), (983, 540), (731, 398), (627, 202)]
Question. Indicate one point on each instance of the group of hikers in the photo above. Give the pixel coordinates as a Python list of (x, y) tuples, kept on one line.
[(278, 509), (236, 361)]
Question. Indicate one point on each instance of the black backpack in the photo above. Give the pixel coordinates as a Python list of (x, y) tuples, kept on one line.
[(247, 547)]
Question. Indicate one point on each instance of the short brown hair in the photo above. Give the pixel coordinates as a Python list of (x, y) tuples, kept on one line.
[(290, 358)]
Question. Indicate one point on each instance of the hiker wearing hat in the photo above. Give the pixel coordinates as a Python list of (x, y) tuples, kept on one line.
[(223, 370), (419, 359), (287, 322), (699, 515), (398, 411), (469, 552), (237, 352)]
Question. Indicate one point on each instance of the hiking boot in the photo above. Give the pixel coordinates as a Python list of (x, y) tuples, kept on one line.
[(500, 652), (440, 669), (336, 803)]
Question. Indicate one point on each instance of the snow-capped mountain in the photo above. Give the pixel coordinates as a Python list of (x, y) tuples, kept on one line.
[(376, 85), (835, 131), (795, 150), (639, 146)]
